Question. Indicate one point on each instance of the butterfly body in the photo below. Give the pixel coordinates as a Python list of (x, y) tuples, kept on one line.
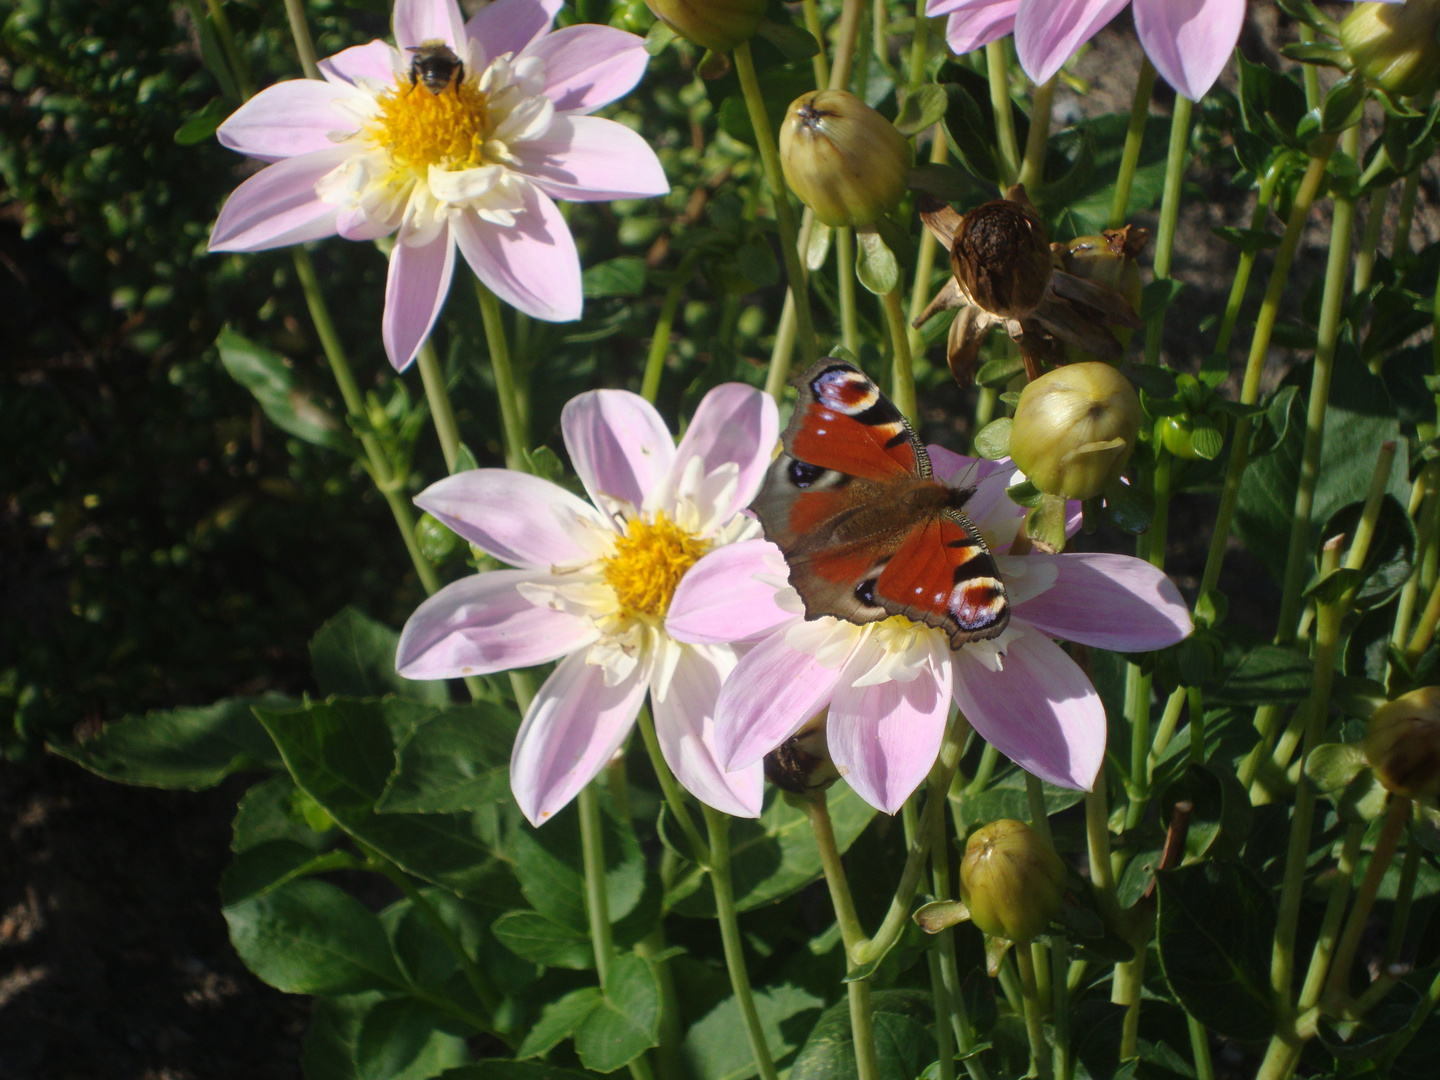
[(866, 529)]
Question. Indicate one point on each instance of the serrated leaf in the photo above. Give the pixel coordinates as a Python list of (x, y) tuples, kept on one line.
[(355, 655), (460, 760), (626, 1020), (716, 1046), (901, 1021), (531, 935), (558, 1021), (257, 870)]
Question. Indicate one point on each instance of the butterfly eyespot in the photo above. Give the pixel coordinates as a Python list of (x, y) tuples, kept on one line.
[(802, 474), (865, 592)]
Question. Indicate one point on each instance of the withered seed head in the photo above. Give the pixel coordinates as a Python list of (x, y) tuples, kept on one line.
[(1001, 256)]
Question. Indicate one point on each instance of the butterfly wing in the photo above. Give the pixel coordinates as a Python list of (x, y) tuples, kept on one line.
[(844, 423), (944, 576)]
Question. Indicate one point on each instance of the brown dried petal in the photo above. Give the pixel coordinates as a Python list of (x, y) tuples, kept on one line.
[(1105, 303), (947, 299), (962, 347), (1001, 256)]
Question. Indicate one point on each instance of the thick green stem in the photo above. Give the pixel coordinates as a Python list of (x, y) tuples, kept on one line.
[(1200, 1049), (862, 1030), (1328, 336), (902, 371), (845, 282), (718, 826), (512, 410), (925, 256), (818, 62), (238, 67), (1060, 1019), (438, 397), (1404, 901), (300, 31), (780, 200), (1127, 990), (669, 1062), (660, 342), (1334, 914), (597, 901), (852, 934), (847, 34), (1040, 1064), (997, 66), (1400, 245), (1175, 161), (1247, 258), (381, 470), (1134, 138), (1370, 240), (1138, 681), (1032, 168), (1397, 816)]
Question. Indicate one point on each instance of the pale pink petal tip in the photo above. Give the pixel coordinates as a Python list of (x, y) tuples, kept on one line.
[(684, 725), (974, 25), (589, 66), (278, 205), (532, 265), (518, 518), (1048, 34), (885, 738), (619, 445), (722, 599), (734, 424), (415, 291), (419, 21), (1189, 41), (573, 727), (511, 25), (1114, 602), (768, 697)]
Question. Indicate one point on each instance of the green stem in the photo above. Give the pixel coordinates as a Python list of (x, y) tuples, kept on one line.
[(1138, 681), (1165, 730), (1406, 1034), (919, 47), (1404, 901), (1039, 815), (484, 993), (597, 902), (670, 1063), (660, 342), (780, 199), (1175, 162), (1040, 1064), (902, 371), (512, 413), (300, 31), (1370, 240), (1127, 990), (862, 1030), (718, 826), (1134, 138), (821, 66), (847, 33), (1334, 913), (1282, 958), (989, 757), (845, 280), (852, 934), (997, 66), (1397, 816), (1060, 1019), (1309, 74), (1328, 336), (1265, 197), (381, 471), (1032, 168), (238, 67), (1305, 194), (1097, 844), (925, 256), (1400, 245), (674, 796), (439, 398), (1200, 1049)]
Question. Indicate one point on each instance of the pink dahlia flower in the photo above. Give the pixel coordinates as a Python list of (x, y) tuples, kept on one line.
[(593, 589), (368, 152), (888, 685), (1188, 41)]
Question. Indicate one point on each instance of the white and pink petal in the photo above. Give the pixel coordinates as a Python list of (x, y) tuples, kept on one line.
[(288, 119), (620, 447), (532, 265), (511, 26), (1048, 32), (415, 291), (419, 21), (589, 66), (374, 61), (1114, 602), (590, 159), (1189, 41), (730, 595), (572, 728), (734, 424), (1039, 710), (278, 205), (482, 624)]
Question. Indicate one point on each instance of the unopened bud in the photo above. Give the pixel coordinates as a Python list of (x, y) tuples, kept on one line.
[(842, 158), (1074, 429), (1394, 45), (719, 25), (801, 764), (1403, 743), (1108, 260), (1011, 880), (1001, 256)]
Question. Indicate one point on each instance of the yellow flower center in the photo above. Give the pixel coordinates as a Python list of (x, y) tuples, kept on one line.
[(649, 561), (420, 129)]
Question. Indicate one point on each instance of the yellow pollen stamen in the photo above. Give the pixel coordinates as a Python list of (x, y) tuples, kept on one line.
[(420, 129), (649, 561)]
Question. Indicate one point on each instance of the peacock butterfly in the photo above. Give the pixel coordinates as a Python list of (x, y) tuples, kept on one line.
[(864, 526)]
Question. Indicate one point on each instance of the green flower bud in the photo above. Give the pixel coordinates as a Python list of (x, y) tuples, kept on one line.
[(842, 158), (1394, 45), (1403, 743), (1074, 429), (1011, 880), (1001, 256), (801, 764), (719, 25)]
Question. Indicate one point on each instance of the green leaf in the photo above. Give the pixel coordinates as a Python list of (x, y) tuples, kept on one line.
[(1343, 105), (716, 1046), (875, 265), (460, 760), (257, 870), (993, 440), (1391, 553), (924, 107), (544, 941), (558, 1021), (1266, 675), (772, 856), (1155, 298), (1365, 1039), (367, 1036), (625, 1022), (621, 276), (184, 748), (903, 1043), (795, 43), (1005, 797), (272, 810), (547, 861), (1213, 931), (778, 87), (503, 1069), (1086, 195), (1331, 587), (1359, 417), (355, 655), (999, 372), (1025, 494), (341, 753), (311, 937), (1157, 382), (1271, 104), (1328, 53), (272, 380), (202, 123)]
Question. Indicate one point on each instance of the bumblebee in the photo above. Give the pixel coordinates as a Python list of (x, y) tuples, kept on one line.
[(435, 65)]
